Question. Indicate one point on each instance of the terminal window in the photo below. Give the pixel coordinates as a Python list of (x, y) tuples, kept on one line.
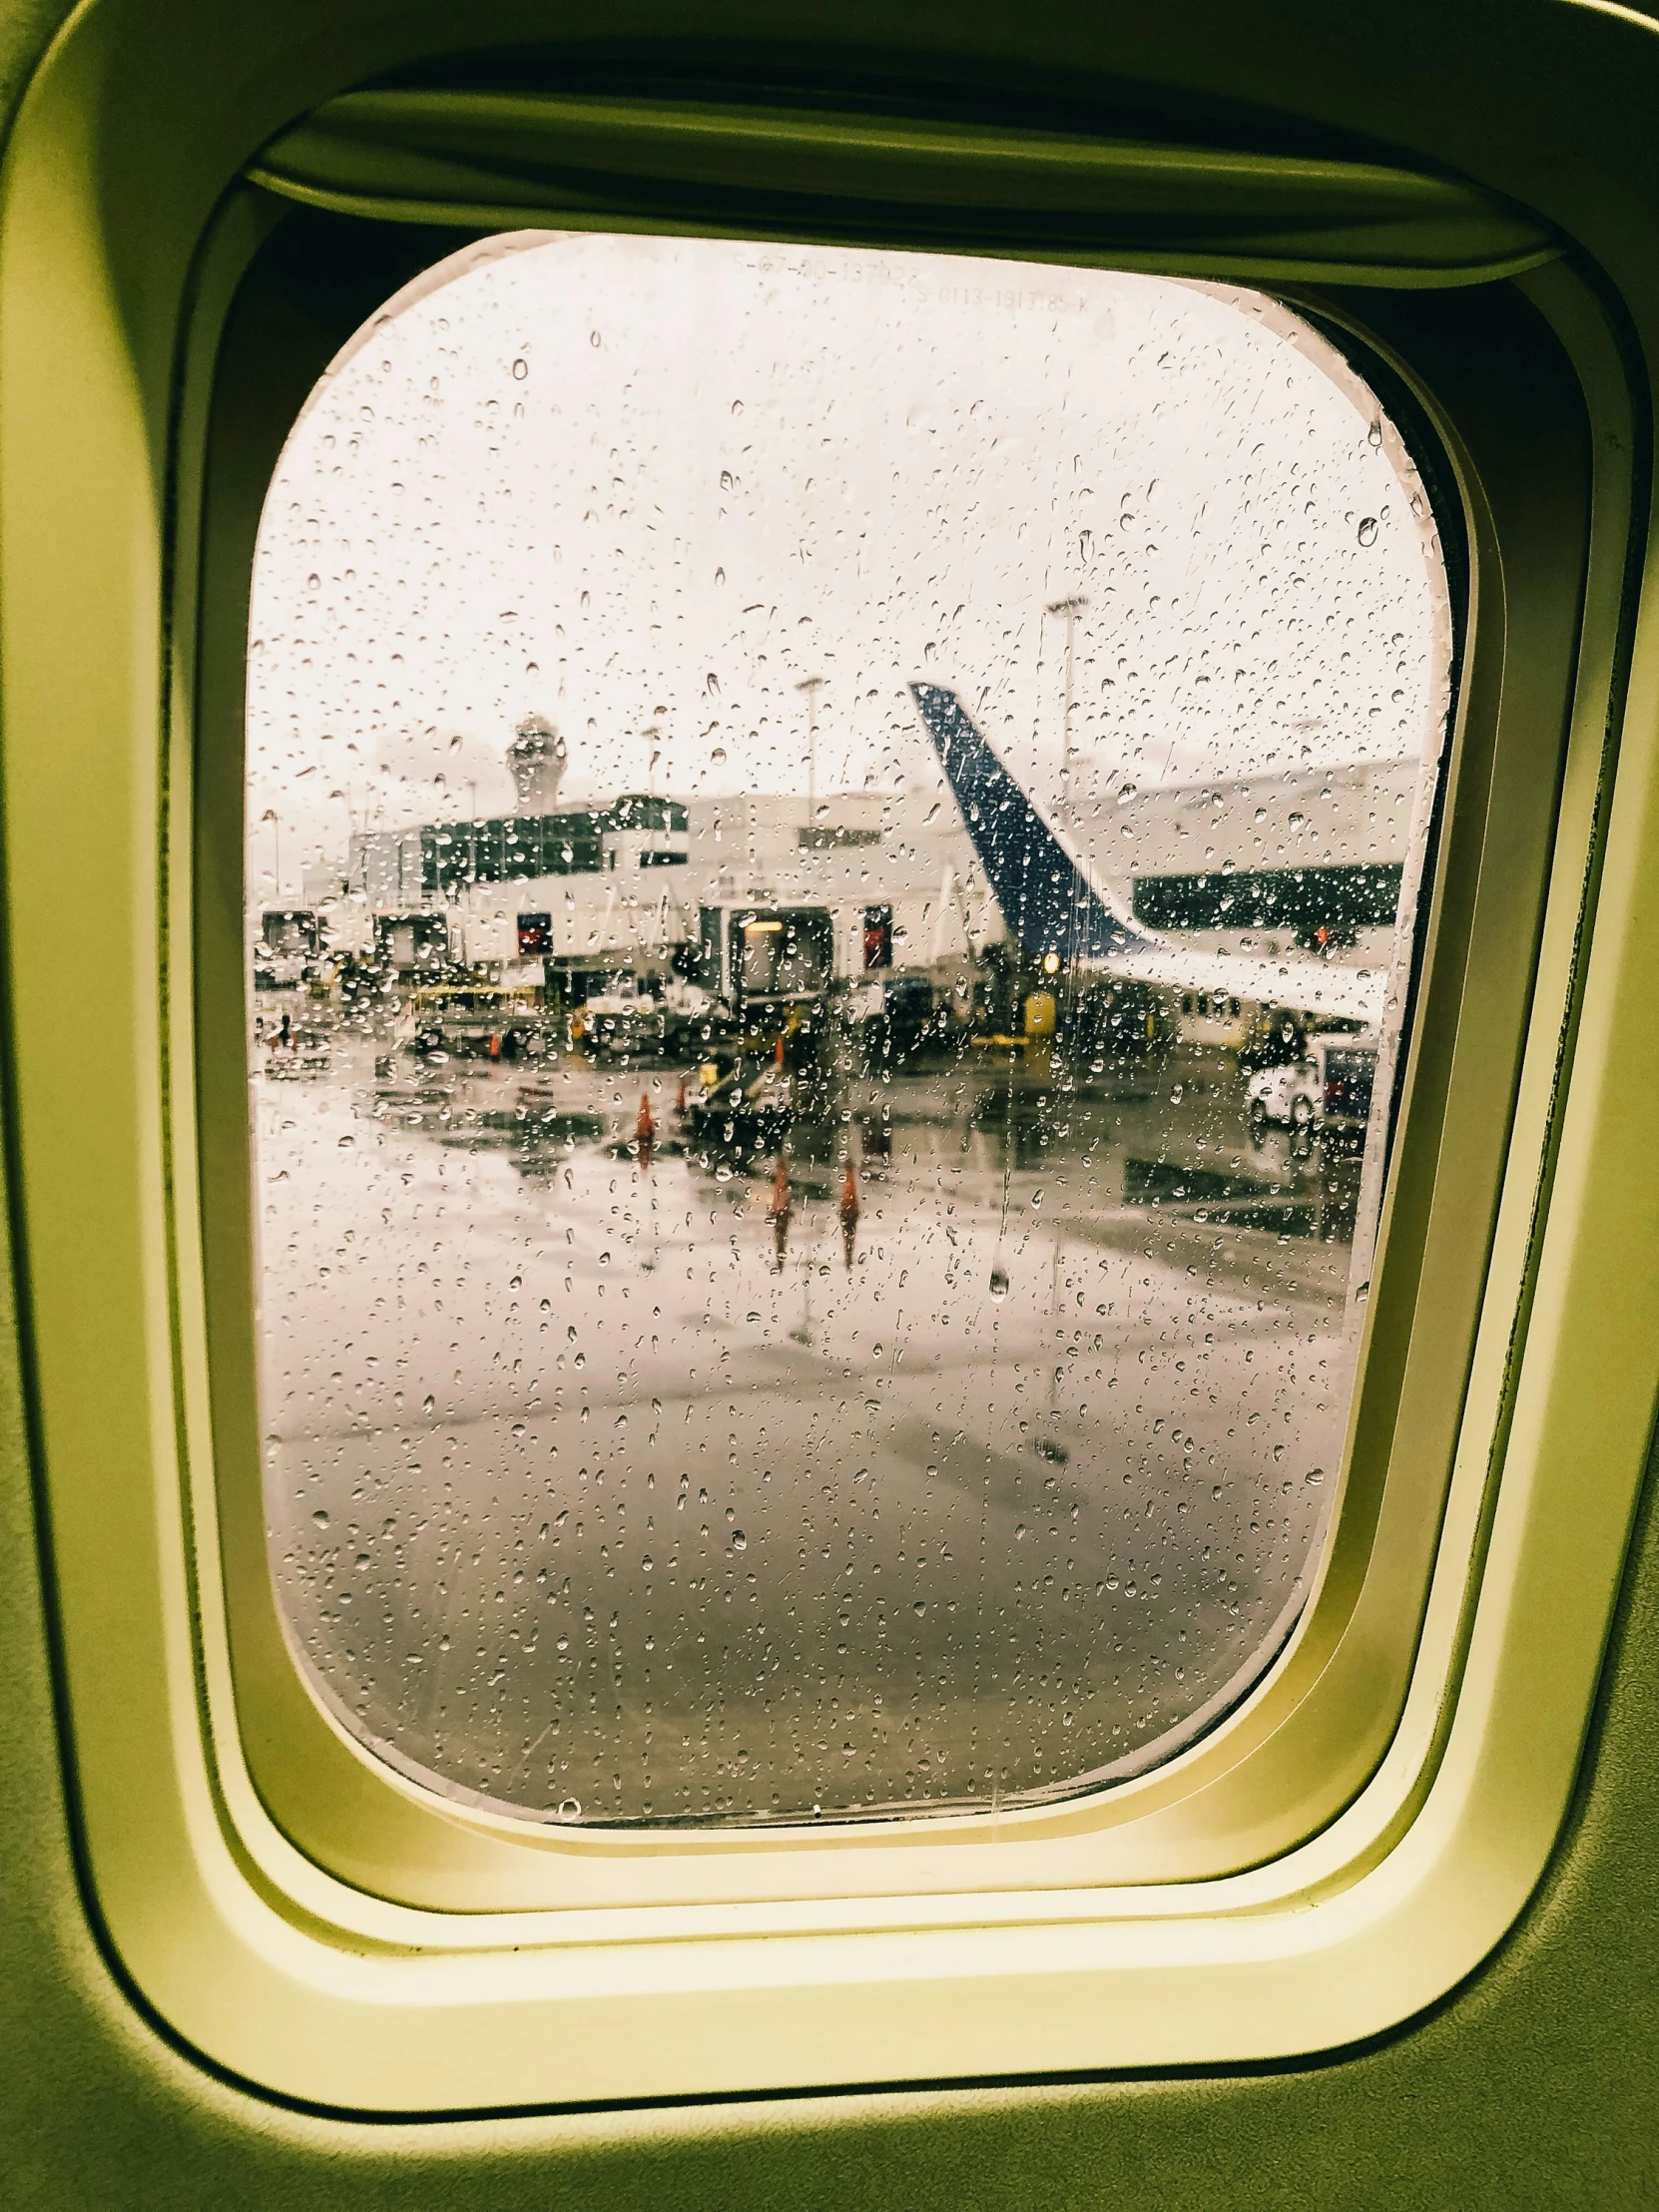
[(832, 854)]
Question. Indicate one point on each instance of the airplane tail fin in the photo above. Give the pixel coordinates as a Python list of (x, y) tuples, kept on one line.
[(1046, 901)]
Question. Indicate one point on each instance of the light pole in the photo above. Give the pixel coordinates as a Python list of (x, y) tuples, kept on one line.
[(1068, 609), (271, 816), (811, 686), (652, 734), (344, 877)]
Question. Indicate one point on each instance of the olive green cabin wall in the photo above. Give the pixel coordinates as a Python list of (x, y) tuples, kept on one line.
[(1536, 2085)]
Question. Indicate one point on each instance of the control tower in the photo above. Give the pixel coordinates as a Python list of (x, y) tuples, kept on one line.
[(536, 761)]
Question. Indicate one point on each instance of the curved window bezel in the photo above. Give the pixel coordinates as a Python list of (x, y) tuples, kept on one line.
[(1207, 1811)]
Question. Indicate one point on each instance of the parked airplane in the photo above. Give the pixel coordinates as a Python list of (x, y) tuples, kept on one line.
[(1053, 909)]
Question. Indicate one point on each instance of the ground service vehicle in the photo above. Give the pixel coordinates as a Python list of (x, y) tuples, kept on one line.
[(481, 1019), (1374, 1921), (288, 948), (751, 957), (1331, 1088)]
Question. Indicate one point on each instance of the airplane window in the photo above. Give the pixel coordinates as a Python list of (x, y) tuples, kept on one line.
[(832, 843)]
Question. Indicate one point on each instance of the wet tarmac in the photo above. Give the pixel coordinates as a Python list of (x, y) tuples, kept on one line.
[(976, 1450)]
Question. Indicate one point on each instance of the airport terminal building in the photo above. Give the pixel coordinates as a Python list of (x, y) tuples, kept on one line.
[(1288, 865)]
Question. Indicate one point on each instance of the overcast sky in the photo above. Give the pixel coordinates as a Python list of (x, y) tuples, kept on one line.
[(632, 483)]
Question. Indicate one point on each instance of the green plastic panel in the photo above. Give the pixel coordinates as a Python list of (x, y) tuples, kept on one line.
[(480, 157)]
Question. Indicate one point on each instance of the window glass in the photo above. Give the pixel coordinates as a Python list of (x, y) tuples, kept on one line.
[(832, 843)]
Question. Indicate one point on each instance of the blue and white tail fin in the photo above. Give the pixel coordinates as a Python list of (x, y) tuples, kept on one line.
[(1046, 901), (1049, 907)]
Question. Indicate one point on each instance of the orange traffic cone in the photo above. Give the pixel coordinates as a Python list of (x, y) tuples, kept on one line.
[(849, 1212), (850, 1192), (781, 1209)]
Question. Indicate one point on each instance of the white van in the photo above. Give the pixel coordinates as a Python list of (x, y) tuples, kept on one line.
[(1330, 1089)]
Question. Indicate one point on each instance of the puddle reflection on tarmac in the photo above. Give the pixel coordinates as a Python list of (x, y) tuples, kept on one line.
[(974, 1449)]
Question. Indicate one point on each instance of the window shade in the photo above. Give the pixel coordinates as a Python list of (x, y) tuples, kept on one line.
[(487, 159)]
